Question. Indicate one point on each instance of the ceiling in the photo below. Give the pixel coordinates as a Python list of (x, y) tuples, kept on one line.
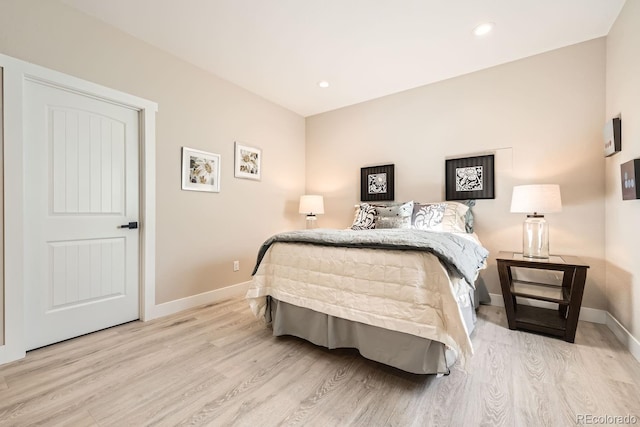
[(365, 49)]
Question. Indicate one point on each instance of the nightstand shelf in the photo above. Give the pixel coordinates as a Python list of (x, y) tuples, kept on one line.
[(562, 322), (540, 291)]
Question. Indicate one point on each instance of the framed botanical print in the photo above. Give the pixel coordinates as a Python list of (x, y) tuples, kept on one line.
[(248, 162), (200, 170), (470, 178), (377, 183)]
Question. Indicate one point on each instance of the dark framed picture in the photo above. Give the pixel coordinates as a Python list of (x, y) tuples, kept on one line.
[(470, 178), (612, 137), (629, 173), (377, 183)]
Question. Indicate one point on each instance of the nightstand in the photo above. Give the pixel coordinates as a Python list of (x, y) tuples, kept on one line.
[(561, 322)]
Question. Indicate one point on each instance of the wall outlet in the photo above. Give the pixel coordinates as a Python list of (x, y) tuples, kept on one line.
[(236, 265)]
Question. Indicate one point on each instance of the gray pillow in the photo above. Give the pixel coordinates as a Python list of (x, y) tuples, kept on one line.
[(393, 222), (394, 216)]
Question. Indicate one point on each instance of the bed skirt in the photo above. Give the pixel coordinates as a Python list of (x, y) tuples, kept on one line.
[(400, 350)]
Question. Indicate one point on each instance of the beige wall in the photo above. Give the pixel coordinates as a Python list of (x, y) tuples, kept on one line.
[(198, 234), (1, 216), (623, 217), (543, 117)]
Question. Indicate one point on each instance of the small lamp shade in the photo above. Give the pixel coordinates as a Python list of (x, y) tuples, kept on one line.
[(311, 205), (535, 200)]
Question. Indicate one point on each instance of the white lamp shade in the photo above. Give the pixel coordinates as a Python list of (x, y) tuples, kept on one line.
[(541, 198), (311, 205)]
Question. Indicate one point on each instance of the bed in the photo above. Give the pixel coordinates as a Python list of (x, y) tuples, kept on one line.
[(401, 291)]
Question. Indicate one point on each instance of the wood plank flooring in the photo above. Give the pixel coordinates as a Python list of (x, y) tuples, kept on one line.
[(218, 365)]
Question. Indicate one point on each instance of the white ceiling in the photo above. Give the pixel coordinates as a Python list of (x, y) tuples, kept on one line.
[(280, 49)]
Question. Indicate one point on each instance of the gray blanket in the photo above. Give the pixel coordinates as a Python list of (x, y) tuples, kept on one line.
[(459, 255)]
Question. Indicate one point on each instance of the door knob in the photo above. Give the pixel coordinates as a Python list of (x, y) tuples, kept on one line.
[(130, 225)]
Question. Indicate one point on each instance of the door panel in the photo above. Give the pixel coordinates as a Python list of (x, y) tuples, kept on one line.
[(81, 182)]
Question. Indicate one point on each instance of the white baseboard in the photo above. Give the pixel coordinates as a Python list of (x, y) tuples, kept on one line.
[(186, 303), (587, 314), (624, 336)]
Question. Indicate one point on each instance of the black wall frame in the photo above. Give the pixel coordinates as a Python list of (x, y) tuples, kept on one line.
[(470, 178), (376, 193)]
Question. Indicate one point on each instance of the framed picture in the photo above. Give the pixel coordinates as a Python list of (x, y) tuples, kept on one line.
[(612, 137), (377, 183), (469, 178), (629, 174), (200, 170), (248, 162)]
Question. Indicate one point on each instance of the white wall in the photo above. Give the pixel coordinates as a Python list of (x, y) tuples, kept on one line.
[(623, 217), (198, 234), (543, 117)]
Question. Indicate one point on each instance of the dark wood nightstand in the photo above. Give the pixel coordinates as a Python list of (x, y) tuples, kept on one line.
[(561, 322)]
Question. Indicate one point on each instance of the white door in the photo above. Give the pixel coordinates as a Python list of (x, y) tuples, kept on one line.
[(81, 184)]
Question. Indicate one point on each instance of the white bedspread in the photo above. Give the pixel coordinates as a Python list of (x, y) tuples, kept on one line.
[(406, 291)]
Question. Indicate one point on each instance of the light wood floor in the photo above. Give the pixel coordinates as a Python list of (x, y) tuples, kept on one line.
[(217, 365)]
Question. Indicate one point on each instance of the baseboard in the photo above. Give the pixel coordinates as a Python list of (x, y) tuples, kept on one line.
[(171, 307), (587, 314), (624, 336)]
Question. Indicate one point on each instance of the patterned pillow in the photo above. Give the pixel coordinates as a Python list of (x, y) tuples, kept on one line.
[(429, 217), (454, 219), (394, 216), (365, 218)]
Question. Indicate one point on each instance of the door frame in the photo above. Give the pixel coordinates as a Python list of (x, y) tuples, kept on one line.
[(15, 72)]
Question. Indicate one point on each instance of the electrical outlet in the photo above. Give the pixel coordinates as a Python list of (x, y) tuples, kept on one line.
[(236, 265)]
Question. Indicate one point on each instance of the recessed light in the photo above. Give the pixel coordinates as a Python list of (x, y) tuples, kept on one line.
[(323, 84), (483, 28)]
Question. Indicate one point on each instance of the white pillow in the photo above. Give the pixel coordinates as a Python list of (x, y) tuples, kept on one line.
[(453, 220), (429, 217)]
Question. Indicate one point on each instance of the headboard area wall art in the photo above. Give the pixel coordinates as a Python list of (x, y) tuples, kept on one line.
[(377, 183), (469, 178)]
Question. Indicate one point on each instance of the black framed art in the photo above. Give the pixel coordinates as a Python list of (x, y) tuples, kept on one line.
[(469, 178), (377, 183), (629, 174), (612, 137)]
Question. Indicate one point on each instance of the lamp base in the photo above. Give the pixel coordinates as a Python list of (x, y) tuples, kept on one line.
[(311, 222), (535, 237)]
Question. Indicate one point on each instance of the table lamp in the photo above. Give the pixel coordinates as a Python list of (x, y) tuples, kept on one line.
[(535, 200), (311, 205)]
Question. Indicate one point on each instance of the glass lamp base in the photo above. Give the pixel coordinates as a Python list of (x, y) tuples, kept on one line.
[(311, 222), (535, 237)]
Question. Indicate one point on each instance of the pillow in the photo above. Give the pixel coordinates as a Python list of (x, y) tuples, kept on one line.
[(429, 217), (453, 220), (365, 217), (394, 215), (468, 219), (393, 222)]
